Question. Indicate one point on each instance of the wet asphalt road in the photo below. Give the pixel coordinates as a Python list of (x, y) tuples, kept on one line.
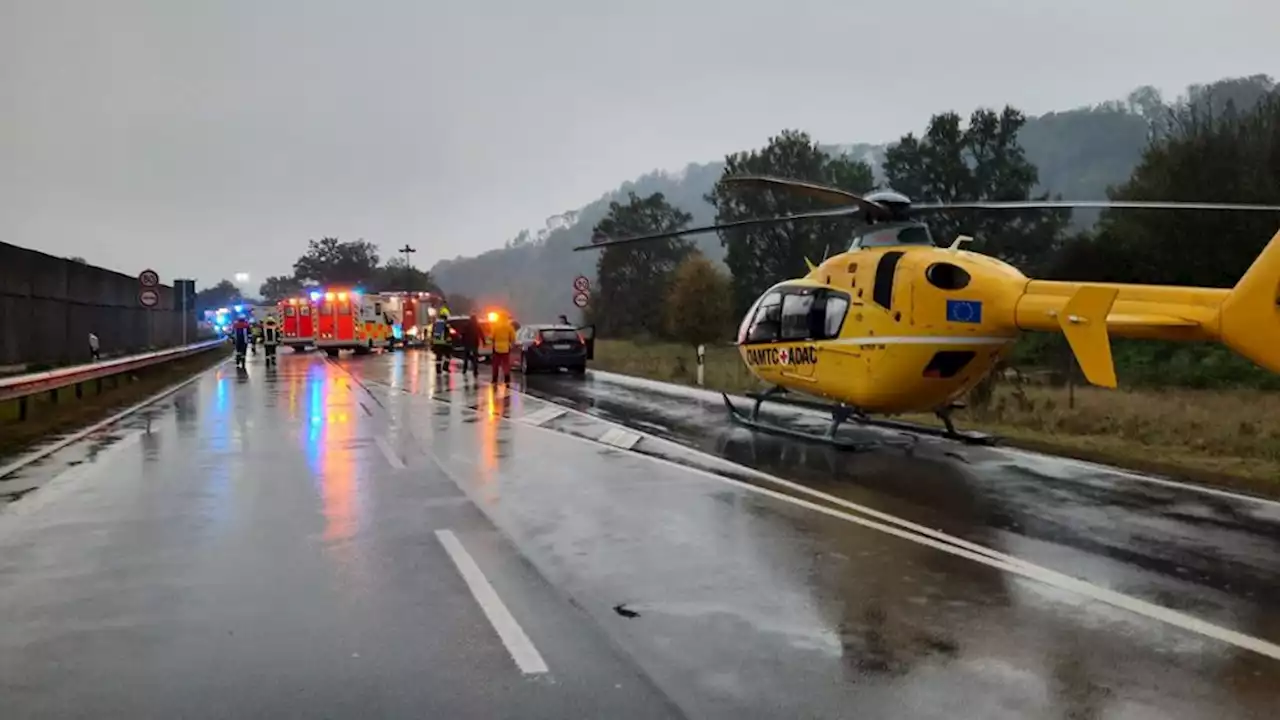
[(266, 545)]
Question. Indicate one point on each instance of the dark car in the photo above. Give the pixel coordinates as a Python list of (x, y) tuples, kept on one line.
[(551, 347), (457, 325)]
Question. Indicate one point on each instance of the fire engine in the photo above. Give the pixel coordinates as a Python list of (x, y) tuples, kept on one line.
[(410, 314), (349, 320), (297, 322)]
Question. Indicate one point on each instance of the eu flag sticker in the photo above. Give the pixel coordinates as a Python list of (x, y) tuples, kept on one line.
[(964, 311)]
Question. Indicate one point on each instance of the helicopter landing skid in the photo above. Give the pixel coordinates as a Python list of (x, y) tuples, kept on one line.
[(841, 413)]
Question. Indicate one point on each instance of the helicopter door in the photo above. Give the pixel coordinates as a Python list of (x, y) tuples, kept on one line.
[(803, 311)]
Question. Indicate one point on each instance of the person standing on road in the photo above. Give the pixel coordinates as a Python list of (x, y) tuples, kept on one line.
[(93, 347), (504, 337), (471, 346), (270, 339), (441, 346)]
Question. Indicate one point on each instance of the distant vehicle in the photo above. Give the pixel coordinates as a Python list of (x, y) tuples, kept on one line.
[(297, 329), (347, 319), (551, 347)]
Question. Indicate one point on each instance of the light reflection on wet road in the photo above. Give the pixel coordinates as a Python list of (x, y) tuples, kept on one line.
[(267, 548)]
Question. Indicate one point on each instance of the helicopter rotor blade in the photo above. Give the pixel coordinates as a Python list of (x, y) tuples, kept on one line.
[(1102, 204), (750, 222), (818, 191)]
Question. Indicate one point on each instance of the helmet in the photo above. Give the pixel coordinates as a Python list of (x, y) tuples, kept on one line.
[(270, 322)]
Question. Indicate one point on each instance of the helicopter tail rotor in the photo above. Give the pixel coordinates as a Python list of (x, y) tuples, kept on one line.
[(1249, 319)]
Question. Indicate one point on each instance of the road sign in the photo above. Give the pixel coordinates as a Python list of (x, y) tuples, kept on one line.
[(149, 278), (581, 283), (580, 299), (149, 297)]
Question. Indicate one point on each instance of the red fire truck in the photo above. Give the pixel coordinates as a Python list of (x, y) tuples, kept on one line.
[(297, 326), (409, 314)]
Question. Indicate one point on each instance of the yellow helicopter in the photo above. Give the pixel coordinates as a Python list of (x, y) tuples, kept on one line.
[(897, 324)]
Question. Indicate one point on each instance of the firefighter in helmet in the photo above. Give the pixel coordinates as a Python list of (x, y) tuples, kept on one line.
[(270, 339), (441, 346)]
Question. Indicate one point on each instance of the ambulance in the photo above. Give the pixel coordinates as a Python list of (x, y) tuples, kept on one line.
[(347, 319), (297, 322)]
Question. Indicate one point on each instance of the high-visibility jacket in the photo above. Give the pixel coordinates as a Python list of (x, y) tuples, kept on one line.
[(440, 332), (270, 336), (504, 336)]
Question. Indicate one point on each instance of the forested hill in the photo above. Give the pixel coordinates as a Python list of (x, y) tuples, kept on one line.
[(1078, 154)]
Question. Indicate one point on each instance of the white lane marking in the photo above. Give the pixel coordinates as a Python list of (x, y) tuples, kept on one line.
[(389, 453), (620, 438), (52, 448), (640, 383), (965, 549), (545, 415), (512, 635)]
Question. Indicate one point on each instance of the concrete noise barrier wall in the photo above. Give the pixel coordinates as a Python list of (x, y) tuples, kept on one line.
[(49, 305)]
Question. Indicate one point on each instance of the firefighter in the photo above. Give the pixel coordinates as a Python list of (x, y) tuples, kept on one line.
[(240, 333), (504, 338), (440, 345), (270, 339)]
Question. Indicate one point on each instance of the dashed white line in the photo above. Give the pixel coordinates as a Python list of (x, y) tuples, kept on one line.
[(543, 416), (620, 438), (389, 453), (513, 636)]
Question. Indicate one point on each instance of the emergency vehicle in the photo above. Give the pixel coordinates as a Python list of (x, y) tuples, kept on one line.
[(349, 320), (410, 315), (297, 322)]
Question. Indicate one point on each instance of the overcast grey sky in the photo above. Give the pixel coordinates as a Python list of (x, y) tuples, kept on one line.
[(203, 137)]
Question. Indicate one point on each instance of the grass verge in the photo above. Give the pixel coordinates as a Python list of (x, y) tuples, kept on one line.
[(50, 419), (1222, 438)]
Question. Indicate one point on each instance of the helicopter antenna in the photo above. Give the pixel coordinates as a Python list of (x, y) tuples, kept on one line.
[(960, 239)]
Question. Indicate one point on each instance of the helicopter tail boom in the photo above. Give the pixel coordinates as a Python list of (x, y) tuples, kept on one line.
[(1250, 315), (1245, 318)]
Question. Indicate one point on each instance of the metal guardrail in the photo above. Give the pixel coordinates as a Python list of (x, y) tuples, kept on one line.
[(21, 386)]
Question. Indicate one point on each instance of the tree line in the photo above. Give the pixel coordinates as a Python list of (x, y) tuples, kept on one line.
[(330, 261), (1206, 147)]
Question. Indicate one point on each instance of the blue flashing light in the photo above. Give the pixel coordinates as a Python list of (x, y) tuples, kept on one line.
[(315, 295), (239, 308)]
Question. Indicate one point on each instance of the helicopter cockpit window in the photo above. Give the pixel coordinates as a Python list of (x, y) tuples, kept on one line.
[(765, 319), (837, 306), (796, 308)]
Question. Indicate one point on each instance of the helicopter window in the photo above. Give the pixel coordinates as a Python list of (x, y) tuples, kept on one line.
[(882, 293), (946, 276), (766, 319), (795, 316), (837, 306)]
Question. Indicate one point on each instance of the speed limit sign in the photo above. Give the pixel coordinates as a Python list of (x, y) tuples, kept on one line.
[(581, 283)]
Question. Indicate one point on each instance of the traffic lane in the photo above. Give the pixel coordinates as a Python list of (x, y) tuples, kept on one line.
[(272, 551), (1207, 554), (741, 605)]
